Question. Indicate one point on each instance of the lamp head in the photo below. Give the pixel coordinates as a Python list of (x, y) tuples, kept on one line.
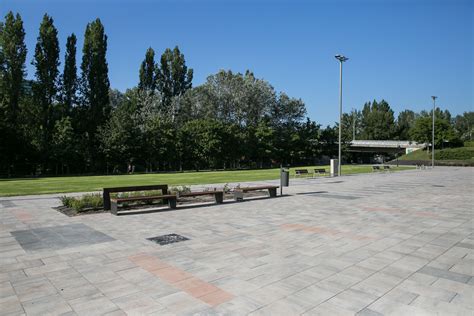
[(341, 58)]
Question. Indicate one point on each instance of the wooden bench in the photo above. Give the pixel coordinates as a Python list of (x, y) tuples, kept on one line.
[(320, 171), (272, 190), (302, 172), (107, 191), (218, 195), (170, 198)]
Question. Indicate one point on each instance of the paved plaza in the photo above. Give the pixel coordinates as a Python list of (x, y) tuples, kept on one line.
[(376, 244)]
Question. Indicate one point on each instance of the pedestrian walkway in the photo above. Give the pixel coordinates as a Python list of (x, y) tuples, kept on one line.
[(378, 244)]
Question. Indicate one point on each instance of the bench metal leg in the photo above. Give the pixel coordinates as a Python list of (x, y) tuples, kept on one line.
[(272, 192), (219, 197), (113, 207), (106, 199), (172, 203)]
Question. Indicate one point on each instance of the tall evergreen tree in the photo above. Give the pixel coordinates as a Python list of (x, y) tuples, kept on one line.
[(45, 88), (378, 122), (147, 80), (405, 122), (12, 73), (13, 56), (95, 105), (69, 77), (173, 76)]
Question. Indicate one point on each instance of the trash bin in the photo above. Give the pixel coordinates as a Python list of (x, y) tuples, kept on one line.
[(334, 167), (284, 177)]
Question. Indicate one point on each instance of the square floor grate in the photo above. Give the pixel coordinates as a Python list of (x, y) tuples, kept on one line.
[(167, 239)]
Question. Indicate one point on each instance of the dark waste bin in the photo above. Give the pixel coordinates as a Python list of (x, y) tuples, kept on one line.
[(284, 179)]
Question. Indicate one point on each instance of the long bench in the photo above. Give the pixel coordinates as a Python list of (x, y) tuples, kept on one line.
[(218, 195), (107, 191), (320, 171), (302, 172), (272, 190), (170, 198)]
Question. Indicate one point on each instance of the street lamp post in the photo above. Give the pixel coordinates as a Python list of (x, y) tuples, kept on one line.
[(433, 132), (341, 59)]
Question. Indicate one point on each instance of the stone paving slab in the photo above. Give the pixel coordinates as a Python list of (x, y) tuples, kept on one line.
[(377, 244)]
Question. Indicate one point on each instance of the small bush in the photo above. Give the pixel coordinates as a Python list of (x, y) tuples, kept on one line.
[(180, 189), (87, 201), (66, 200), (461, 153)]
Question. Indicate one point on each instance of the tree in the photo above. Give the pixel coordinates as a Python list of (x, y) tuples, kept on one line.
[(147, 80), (378, 122), (69, 82), (351, 125), (45, 88), (63, 144), (12, 73), (172, 75), (405, 122), (464, 125), (13, 48), (95, 102), (422, 131), (119, 139)]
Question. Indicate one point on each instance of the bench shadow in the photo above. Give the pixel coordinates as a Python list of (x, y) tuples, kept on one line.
[(313, 192), (196, 206)]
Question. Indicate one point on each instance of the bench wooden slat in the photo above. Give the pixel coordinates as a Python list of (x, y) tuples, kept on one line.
[(144, 198), (170, 198), (264, 187), (200, 193)]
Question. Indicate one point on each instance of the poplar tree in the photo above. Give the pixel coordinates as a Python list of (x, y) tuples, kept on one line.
[(45, 88), (12, 74), (69, 77), (95, 102), (147, 80), (95, 79), (173, 76), (12, 66)]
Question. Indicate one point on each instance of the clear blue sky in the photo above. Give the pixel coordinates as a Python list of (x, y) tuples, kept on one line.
[(403, 51)]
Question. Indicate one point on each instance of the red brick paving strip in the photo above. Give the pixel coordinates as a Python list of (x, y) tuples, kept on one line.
[(182, 280), (22, 216)]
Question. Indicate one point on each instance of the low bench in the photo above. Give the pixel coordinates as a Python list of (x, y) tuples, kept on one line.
[(386, 168), (320, 171), (170, 198), (376, 168), (302, 172), (107, 191), (272, 190), (218, 195)]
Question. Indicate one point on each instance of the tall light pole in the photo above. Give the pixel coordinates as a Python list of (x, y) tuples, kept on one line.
[(341, 59), (432, 131)]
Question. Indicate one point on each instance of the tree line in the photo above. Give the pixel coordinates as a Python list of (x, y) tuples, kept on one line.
[(69, 120)]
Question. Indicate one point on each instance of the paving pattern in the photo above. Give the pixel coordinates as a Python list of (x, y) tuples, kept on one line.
[(378, 244)]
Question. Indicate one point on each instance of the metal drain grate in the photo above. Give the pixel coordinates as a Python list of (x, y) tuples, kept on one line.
[(167, 239)]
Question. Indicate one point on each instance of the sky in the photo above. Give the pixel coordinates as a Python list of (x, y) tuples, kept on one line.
[(403, 51)]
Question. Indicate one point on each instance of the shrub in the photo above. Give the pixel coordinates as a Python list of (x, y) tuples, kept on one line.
[(81, 203), (469, 143), (461, 153), (180, 189), (66, 200)]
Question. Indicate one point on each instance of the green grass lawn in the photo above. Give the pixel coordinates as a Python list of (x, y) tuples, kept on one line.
[(27, 186)]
